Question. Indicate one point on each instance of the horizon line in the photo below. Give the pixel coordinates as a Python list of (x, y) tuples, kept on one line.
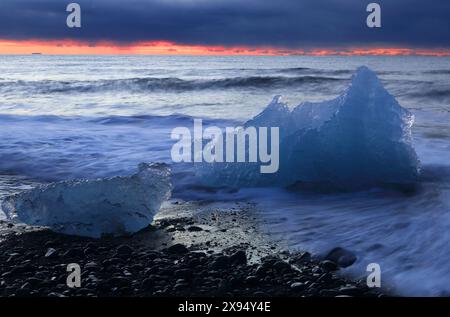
[(71, 47)]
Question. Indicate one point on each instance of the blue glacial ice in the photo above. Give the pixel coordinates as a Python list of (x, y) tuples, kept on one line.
[(93, 208), (359, 140)]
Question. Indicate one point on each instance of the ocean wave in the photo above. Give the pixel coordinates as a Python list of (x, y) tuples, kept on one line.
[(321, 72), (438, 72), (432, 93), (163, 84), (172, 120), (293, 71), (134, 120), (56, 148)]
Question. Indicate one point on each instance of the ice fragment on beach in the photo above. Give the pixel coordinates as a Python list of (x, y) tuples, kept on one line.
[(360, 139), (92, 208)]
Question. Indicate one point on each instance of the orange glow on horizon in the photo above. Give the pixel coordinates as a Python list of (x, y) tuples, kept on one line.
[(70, 47)]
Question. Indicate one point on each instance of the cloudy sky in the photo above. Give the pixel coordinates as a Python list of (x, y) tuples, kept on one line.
[(246, 25)]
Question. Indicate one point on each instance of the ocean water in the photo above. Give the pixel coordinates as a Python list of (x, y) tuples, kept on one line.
[(64, 117)]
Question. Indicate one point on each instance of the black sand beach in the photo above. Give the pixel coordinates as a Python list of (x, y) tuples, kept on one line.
[(210, 252)]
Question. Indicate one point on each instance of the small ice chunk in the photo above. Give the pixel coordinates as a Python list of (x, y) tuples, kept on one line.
[(113, 206)]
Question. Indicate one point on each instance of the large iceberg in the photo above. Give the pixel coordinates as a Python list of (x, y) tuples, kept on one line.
[(93, 208), (358, 140)]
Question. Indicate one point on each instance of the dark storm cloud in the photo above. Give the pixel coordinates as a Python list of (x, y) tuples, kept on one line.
[(281, 23)]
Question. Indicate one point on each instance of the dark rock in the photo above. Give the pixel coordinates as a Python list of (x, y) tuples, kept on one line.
[(111, 262), (324, 278), (102, 249), (171, 229), (51, 253), (261, 270), (251, 280), (194, 229), (193, 263), (103, 286), (317, 270), (329, 293), (220, 262), (300, 259), (124, 250), (34, 282), (297, 286), (342, 257), (312, 286), (152, 270), (91, 266), (177, 249), (346, 261), (91, 245), (89, 251), (54, 294), (24, 269), (281, 266), (236, 282), (73, 253), (329, 265), (152, 255), (180, 286), (49, 244), (119, 281), (182, 273), (239, 258), (23, 292), (224, 286), (269, 261), (13, 257), (137, 267), (350, 290)]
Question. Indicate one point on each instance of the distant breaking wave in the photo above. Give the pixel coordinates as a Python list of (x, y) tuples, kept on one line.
[(162, 84), (433, 93), (438, 71)]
